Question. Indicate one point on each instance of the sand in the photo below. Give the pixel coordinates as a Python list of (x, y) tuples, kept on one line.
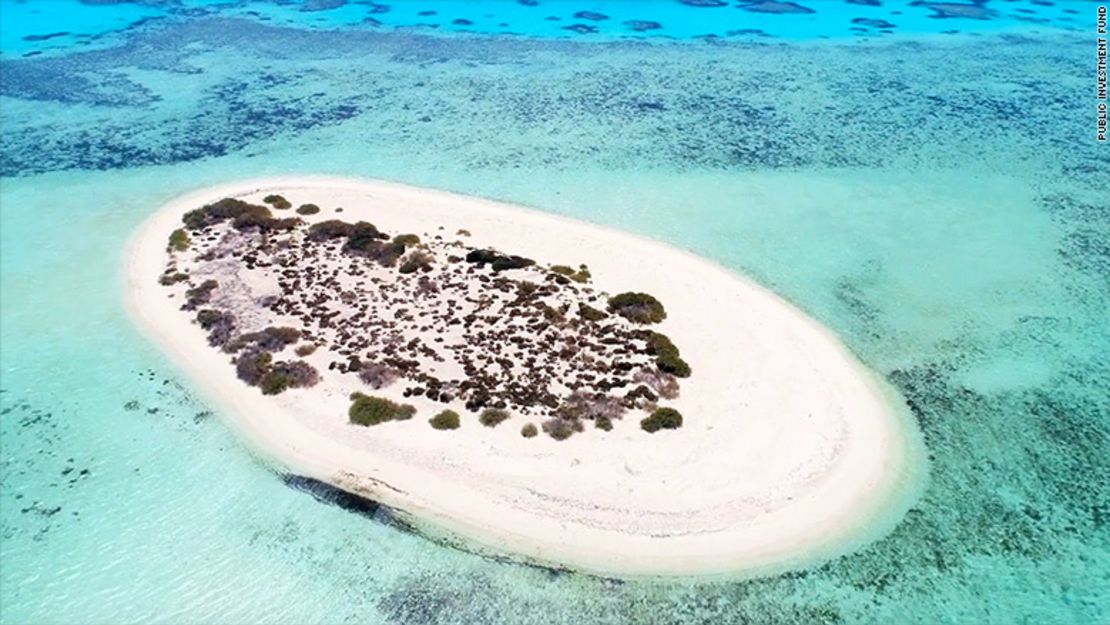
[(792, 452)]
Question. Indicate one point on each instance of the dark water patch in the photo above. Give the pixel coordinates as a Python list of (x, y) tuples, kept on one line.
[(976, 9), (46, 36), (866, 3), (776, 7), (592, 16), (872, 22), (310, 6), (642, 26), (581, 29), (328, 494), (704, 4)]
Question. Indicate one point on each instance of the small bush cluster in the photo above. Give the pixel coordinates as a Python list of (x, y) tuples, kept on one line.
[(408, 240), (662, 383), (179, 240), (584, 405), (288, 374), (666, 355), (662, 419), (416, 260), (377, 374), (199, 295), (168, 279), (243, 216), (363, 239), (491, 417), (271, 339), (589, 313), (367, 410), (498, 261), (220, 326), (308, 209), (305, 350), (446, 420), (581, 275), (561, 429), (637, 307), (277, 202), (529, 430)]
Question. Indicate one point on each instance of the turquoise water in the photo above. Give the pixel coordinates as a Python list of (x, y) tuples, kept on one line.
[(938, 200)]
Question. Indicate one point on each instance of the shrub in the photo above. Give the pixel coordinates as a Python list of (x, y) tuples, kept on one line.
[(285, 375), (306, 349), (664, 384), (308, 209), (365, 237), (220, 325), (604, 423), (589, 313), (277, 202), (637, 307), (407, 239), (582, 275), (416, 260), (330, 229), (366, 410), (529, 430), (252, 365), (662, 419), (168, 279), (561, 429), (667, 357), (271, 339), (179, 240), (446, 420), (563, 270), (377, 374), (200, 294), (490, 417), (584, 405), (498, 261), (463, 232)]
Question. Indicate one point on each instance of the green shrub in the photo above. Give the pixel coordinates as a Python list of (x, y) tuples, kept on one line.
[(589, 313), (563, 270), (330, 229), (637, 307), (306, 349), (490, 417), (416, 260), (604, 423), (529, 430), (250, 367), (168, 279), (667, 356), (582, 275), (277, 202), (200, 294), (446, 420), (561, 429), (179, 240), (407, 239), (366, 410), (308, 209), (498, 261), (662, 419)]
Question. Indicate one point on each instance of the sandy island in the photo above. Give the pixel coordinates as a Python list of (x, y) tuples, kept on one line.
[(790, 451)]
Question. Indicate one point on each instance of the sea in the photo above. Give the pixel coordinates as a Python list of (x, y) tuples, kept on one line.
[(924, 178)]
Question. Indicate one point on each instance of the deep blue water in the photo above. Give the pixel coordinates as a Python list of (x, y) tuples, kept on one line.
[(934, 194)]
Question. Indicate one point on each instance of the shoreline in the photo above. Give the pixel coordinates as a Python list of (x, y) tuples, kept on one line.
[(739, 527)]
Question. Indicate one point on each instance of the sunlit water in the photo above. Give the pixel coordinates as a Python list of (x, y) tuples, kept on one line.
[(937, 199)]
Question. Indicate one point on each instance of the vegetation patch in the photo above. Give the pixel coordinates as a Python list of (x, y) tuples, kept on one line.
[(219, 324), (308, 209), (285, 375), (589, 313), (561, 429), (637, 307), (271, 339), (417, 260), (277, 202), (199, 295), (529, 430), (179, 240), (491, 417), (367, 410), (446, 420), (409, 240), (662, 419), (243, 216), (171, 278), (377, 374), (667, 357), (498, 261)]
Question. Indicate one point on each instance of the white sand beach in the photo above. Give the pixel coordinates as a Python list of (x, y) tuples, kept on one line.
[(791, 451)]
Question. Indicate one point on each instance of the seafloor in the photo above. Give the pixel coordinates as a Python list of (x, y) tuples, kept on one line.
[(937, 199)]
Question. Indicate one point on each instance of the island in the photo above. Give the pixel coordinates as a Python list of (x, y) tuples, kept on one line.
[(523, 383)]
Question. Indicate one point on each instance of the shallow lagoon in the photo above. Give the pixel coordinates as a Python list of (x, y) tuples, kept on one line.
[(939, 201)]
